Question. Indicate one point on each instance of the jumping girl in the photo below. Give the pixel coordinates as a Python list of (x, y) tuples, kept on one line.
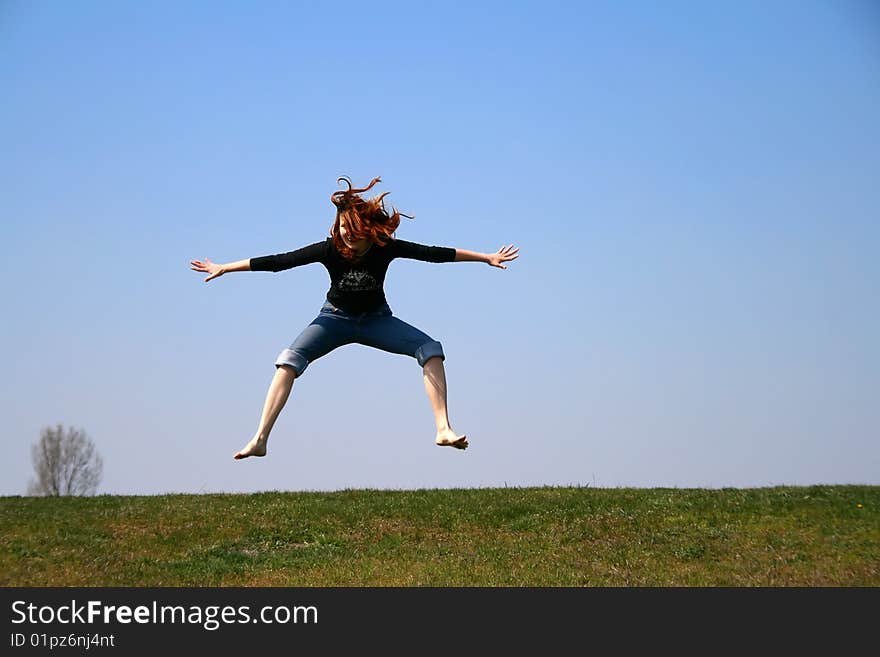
[(357, 254)]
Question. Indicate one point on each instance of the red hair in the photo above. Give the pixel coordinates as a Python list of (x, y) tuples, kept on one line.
[(364, 218)]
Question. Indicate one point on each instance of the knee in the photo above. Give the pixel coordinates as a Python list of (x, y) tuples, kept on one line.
[(429, 351), (433, 361), (286, 370), (290, 361)]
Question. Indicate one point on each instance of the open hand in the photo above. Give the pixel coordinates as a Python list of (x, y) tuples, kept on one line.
[(211, 267), (504, 254)]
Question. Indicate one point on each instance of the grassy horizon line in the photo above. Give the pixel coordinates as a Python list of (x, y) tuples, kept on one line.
[(578, 535)]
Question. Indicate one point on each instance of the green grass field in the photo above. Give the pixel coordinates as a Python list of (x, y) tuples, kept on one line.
[(782, 536)]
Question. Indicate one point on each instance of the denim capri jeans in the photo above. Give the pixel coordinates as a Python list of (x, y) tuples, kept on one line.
[(333, 328)]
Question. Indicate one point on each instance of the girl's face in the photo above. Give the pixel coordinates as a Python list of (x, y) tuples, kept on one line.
[(356, 245)]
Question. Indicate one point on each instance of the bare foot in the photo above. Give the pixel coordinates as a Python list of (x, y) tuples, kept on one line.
[(447, 438), (255, 447)]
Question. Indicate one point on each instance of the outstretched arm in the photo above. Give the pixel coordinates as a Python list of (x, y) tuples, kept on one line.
[(279, 262), (404, 249), (497, 259), (216, 269)]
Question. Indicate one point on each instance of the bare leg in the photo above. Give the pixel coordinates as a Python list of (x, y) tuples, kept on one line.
[(435, 386), (279, 391)]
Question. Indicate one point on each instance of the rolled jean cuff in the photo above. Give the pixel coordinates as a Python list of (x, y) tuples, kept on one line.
[(428, 351), (294, 359)]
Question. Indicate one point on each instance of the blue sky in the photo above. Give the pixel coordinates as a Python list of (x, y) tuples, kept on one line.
[(693, 188)]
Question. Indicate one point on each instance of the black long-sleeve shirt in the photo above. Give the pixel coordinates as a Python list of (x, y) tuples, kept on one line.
[(355, 286)]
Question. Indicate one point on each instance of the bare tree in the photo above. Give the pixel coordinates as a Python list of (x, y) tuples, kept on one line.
[(65, 462)]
